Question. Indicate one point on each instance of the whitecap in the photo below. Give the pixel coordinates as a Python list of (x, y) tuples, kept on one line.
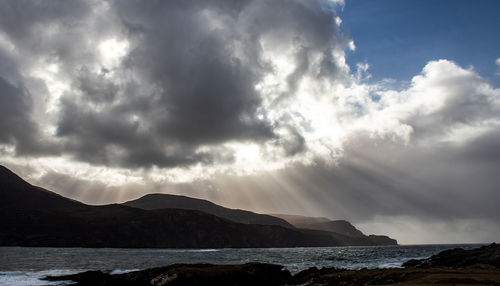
[(122, 271), (33, 278), (390, 265)]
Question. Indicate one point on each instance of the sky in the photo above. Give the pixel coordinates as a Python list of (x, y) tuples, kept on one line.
[(408, 34), (385, 113)]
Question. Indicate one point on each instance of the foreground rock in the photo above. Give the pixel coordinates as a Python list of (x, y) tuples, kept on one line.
[(268, 274), (409, 276), (187, 274), (451, 267), (486, 257)]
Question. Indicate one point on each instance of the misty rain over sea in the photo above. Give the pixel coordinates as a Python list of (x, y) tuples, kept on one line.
[(26, 265)]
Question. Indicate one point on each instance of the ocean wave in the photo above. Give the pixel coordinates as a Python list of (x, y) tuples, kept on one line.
[(122, 271), (205, 250), (390, 265), (34, 278)]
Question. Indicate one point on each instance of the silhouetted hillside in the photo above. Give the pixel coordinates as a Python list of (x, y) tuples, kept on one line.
[(32, 216), (164, 201), (296, 220), (17, 193), (341, 230)]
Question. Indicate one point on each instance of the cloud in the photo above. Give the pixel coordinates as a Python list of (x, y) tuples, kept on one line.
[(442, 100), (166, 84), (15, 122)]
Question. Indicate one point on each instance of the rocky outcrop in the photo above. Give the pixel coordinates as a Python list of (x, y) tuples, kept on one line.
[(270, 275), (486, 257), (187, 274), (400, 277)]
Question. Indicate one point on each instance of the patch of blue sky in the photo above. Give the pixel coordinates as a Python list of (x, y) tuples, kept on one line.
[(398, 37)]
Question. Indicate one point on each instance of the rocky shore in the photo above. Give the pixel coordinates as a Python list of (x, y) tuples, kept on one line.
[(479, 266)]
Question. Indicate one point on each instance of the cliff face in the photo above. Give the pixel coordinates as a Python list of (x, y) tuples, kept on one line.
[(382, 240), (341, 230)]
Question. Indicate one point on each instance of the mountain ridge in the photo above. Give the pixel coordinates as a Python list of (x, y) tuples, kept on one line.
[(33, 216), (162, 201)]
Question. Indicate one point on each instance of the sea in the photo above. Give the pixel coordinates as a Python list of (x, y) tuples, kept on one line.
[(27, 265)]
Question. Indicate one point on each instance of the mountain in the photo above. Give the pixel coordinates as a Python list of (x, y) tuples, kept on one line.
[(164, 201), (33, 216), (342, 230), (15, 193)]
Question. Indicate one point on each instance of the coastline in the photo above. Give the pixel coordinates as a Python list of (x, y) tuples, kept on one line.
[(479, 266), (273, 274)]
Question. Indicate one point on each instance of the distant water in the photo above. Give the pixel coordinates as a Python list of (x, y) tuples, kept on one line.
[(25, 265)]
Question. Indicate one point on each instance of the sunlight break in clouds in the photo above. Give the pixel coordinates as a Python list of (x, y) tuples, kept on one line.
[(251, 104)]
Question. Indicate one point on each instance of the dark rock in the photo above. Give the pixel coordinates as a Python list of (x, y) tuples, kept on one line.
[(412, 263), (310, 274), (486, 257), (187, 274), (408, 276)]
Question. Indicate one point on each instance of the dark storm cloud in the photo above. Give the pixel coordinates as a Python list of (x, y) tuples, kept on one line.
[(8, 67), (47, 30), (17, 18), (96, 87), (110, 138), (15, 119), (187, 81), (207, 93), (17, 126)]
